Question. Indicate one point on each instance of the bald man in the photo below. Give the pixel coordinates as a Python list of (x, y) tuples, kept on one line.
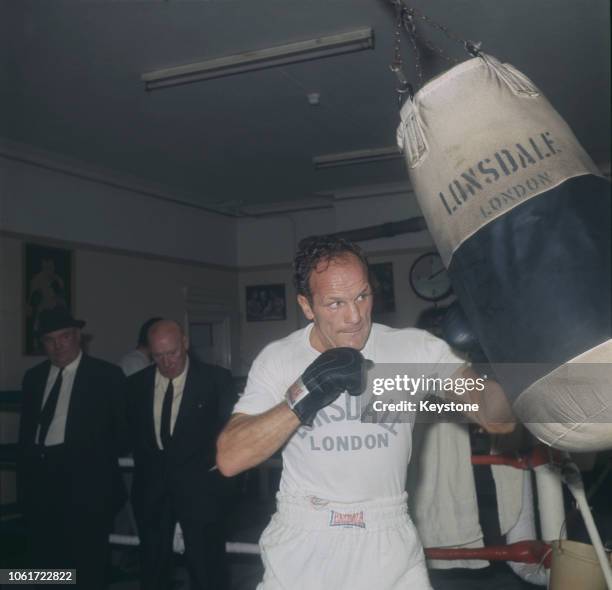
[(177, 408)]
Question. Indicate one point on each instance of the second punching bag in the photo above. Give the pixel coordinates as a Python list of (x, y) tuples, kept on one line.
[(521, 217)]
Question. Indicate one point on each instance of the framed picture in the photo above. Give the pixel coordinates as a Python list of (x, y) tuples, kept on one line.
[(266, 302), (381, 275), (48, 282)]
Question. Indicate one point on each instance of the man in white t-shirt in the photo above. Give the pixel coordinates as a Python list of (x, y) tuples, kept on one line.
[(341, 520)]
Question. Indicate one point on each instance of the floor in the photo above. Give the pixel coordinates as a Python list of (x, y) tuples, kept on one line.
[(246, 577)]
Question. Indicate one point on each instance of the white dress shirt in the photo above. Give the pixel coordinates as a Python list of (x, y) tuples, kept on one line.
[(134, 361), (161, 384), (57, 429)]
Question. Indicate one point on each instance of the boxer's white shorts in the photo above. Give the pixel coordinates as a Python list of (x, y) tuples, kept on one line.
[(311, 544)]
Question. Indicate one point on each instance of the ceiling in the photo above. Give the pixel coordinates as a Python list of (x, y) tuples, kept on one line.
[(70, 86)]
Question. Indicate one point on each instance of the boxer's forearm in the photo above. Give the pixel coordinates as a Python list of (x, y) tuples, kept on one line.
[(247, 441), (494, 413)]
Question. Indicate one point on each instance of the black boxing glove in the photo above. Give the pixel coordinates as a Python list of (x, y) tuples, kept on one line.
[(334, 371), (458, 333)]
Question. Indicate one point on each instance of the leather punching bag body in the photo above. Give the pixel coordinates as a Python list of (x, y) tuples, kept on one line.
[(521, 217)]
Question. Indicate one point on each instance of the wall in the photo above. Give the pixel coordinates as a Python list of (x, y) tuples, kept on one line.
[(61, 205), (272, 239)]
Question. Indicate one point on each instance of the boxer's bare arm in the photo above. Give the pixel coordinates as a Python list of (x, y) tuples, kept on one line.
[(247, 441), (494, 414)]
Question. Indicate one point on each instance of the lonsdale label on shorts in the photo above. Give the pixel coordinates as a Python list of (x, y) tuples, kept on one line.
[(503, 163), (347, 519)]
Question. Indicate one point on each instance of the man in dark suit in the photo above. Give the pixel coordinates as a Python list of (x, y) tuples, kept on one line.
[(177, 408), (73, 428)]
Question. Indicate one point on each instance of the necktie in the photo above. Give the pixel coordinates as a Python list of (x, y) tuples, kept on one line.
[(164, 431), (48, 411)]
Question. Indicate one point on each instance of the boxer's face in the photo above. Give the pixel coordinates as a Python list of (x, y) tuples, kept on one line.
[(341, 305), (62, 346)]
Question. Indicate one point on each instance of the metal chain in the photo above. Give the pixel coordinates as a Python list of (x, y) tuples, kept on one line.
[(410, 28), (398, 34), (473, 48), (436, 25), (434, 48), (406, 16), (396, 66)]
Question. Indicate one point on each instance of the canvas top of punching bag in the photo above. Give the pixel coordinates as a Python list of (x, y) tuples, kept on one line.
[(463, 172), (522, 219)]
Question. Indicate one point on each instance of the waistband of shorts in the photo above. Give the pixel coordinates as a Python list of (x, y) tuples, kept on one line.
[(311, 512)]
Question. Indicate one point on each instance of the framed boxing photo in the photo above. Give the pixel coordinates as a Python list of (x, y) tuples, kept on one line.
[(48, 283), (265, 303)]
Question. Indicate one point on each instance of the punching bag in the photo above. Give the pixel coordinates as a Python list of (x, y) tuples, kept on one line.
[(521, 217)]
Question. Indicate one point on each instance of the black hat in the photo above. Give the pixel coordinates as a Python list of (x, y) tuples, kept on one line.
[(59, 318)]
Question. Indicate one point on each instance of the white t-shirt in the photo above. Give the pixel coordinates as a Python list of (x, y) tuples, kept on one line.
[(341, 458)]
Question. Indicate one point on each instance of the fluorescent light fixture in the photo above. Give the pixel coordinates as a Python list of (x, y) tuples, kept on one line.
[(260, 59), (357, 157)]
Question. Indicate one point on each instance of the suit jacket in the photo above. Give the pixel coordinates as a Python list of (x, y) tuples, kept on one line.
[(182, 473), (95, 436)]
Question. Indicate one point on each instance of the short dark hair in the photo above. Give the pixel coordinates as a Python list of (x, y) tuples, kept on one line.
[(315, 249), (143, 334)]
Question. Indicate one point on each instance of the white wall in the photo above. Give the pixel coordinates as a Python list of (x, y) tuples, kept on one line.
[(272, 239), (46, 203)]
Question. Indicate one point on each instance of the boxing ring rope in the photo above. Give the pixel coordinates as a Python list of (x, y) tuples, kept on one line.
[(538, 456), (529, 552), (534, 552)]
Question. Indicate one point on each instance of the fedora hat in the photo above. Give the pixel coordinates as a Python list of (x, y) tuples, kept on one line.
[(59, 318)]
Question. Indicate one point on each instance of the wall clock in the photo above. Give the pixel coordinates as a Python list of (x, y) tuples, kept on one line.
[(428, 277)]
